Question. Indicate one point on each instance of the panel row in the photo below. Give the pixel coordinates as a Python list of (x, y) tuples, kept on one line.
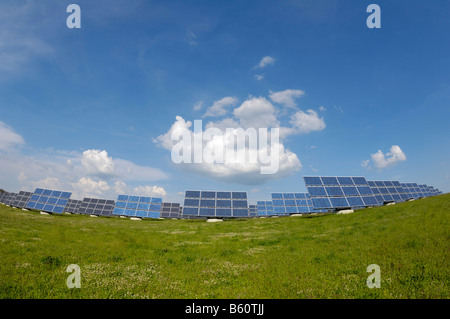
[(96, 206), (334, 181), (338, 191), (213, 203), (214, 195), (344, 202), (215, 212)]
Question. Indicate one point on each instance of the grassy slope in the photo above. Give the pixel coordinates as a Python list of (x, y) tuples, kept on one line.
[(319, 257)]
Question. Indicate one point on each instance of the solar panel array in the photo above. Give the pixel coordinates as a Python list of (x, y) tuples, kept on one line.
[(21, 199), (72, 206), (48, 200), (324, 194), (389, 191), (215, 204), (138, 206), (252, 211), (171, 210), (3, 196), (333, 193), (291, 203), (265, 208), (9, 199), (96, 206)]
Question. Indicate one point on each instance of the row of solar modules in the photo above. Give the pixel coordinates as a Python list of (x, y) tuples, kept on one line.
[(221, 204), (283, 204), (333, 193), (52, 201)]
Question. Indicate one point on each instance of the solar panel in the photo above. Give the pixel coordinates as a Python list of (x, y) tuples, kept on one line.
[(264, 208), (215, 204), (72, 206), (291, 203), (48, 200), (3, 196), (331, 193), (252, 211), (21, 199), (171, 210), (390, 191), (96, 206), (9, 198), (138, 206)]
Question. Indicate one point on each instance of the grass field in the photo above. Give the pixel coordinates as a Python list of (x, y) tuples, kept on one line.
[(290, 257)]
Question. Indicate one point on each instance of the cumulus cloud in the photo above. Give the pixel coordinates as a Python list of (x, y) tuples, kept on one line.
[(219, 107), (252, 114), (286, 97), (9, 138), (265, 61), (92, 173), (394, 156), (306, 122), (151, 191), (98, 163), (87, 187), (256, 112)]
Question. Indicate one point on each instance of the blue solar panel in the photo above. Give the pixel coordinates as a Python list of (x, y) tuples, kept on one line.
[(289, 204), (225, 195), (48, 200), (312, 181), (364, 190), (264, 208), (321, 202), (359, 181), (350, 190), (330, 181), (216, 204), (316, 191), (340, 192), (192, 194), (345, 181), (138, 206), (21, 199), (355, 201), (389, 191), (334, 191), (339, 202)]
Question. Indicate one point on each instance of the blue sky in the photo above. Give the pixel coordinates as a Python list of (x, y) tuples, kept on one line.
[(87, 110)]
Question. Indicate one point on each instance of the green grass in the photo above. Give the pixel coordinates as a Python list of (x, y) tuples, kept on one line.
[(303, 257)]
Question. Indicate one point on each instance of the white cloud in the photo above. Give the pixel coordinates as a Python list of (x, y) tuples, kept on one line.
[(265, 61), (259, 77), (165, 140), (219, 107), (391, 158), (306, 122), (152, 191), (98, 163), (22, 177), (86, 187), (120, 187), (243, 173), (286, 97), (9, 138), (198, 106), (365, 163), (256, 112)]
